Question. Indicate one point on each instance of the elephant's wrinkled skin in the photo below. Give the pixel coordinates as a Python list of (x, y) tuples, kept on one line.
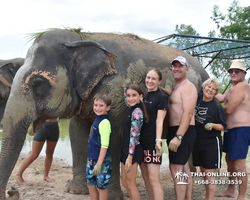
[(8, 69), (60, 76)]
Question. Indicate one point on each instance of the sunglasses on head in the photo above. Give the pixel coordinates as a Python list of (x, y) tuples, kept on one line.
[(236, 71)]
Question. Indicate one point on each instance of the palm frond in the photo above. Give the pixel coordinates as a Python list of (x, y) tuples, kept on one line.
[(34, 36)]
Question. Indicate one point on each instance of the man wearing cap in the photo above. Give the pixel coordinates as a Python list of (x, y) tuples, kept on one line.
[(237, 139), (181, 133)]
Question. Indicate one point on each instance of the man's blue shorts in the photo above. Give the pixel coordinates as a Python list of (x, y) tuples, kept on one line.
[(102, 180), (236, 142)]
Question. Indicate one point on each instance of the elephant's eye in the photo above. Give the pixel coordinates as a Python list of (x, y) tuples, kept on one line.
[(40, 86)]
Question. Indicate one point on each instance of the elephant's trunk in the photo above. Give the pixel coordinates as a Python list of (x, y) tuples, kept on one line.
[(17, 118), (12, 143)]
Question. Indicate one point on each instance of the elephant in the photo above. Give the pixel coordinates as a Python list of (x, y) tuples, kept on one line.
[(63, 70), (8, 69)]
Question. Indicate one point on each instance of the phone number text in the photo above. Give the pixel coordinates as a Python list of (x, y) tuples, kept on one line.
[(218, 182)]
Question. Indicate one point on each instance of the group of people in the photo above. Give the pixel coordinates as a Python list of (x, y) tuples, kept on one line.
[(141, 143), (196, 121), (234, 119)]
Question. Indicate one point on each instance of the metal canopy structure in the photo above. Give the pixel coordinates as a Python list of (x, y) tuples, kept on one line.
[(208, 47)]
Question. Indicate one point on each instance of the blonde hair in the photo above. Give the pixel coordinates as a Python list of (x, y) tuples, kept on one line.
[(212, 80)]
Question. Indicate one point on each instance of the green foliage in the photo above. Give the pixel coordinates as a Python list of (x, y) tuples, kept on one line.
[(217, 17), (182, 43), (219, 70), (186, 30), (212, 33), (235, 24), (183, 29)]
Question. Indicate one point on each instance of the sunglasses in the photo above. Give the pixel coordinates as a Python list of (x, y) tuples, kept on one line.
[(236, 71)]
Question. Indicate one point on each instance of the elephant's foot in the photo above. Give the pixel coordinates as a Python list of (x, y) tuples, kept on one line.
[(13, 194), (115, 194), (76, 187)]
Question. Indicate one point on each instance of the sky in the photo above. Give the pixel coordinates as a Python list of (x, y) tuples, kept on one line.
[(147, 19)]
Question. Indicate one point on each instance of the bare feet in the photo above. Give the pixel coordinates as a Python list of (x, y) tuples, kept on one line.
[(226, 194), (48, 179), (19, 179)]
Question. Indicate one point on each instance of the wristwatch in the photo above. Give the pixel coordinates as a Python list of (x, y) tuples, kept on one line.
[(179, 137)]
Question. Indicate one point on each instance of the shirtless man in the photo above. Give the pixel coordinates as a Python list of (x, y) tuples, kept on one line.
[(237, 139), (181, 134)]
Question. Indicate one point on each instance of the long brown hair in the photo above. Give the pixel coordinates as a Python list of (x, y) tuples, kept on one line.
[(137, 88)]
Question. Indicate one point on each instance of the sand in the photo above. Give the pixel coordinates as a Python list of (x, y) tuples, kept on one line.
[(35, 188)]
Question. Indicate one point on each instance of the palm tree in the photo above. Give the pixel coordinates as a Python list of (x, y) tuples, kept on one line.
[(178, 175), (185, 176)]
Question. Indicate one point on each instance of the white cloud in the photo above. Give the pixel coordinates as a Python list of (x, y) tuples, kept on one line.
[(148, 19)]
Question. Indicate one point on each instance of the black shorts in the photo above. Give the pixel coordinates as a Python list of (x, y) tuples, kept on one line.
[(207, 152), (184, 150), (149, 153), (49, 131), (138, 154)]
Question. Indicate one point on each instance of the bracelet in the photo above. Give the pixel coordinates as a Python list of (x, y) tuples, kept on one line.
[(158, 139)]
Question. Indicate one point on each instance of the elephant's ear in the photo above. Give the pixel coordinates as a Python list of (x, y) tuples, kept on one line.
[(91, 62), (7, 74)]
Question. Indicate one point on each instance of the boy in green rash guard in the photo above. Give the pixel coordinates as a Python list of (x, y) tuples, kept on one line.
[(99, 163)]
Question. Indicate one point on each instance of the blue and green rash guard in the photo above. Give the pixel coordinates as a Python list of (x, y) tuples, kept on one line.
[(99, 136)]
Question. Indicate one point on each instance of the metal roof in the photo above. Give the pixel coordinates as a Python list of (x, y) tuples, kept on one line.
[(208, 47)]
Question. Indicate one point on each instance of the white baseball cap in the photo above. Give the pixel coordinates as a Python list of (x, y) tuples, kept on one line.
[(181, 60)]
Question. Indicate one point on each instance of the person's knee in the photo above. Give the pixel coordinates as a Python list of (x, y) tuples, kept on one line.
[(131, 184), (153, 181), (33, 156), (145, 175), (186, 168), (172, 172), (49, 152), (49, 155), (131, 180), (239, 166), (91, 188), (209, 178), (174, 168), (124, 183)]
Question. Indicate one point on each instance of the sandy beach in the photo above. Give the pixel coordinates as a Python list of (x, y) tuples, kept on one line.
[(35, 188)]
